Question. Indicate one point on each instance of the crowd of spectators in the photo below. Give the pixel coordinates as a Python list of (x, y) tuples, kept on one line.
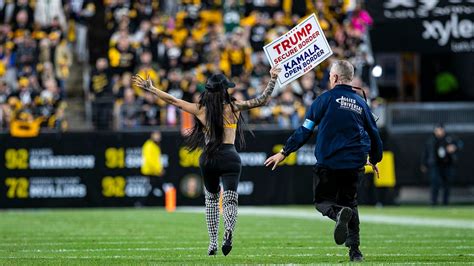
[(179, 44), (35, 60)]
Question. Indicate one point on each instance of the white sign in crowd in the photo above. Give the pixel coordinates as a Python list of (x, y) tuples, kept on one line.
[(299, 50)]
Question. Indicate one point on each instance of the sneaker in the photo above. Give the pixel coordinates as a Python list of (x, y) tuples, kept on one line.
[(355, 254), (227, 243), (340, 231)]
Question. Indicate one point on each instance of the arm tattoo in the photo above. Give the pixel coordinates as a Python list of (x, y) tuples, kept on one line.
[(261, 100)]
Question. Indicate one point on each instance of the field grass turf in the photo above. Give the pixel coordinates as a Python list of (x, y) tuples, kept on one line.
[(153, 236)]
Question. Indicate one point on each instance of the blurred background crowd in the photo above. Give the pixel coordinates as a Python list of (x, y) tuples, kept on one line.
[(177, 43), (35, 57)]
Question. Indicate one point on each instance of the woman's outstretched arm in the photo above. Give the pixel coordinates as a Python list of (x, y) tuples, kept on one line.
[(263, 98), (168, 98)]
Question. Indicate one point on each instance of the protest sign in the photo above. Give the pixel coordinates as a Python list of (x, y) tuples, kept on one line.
[(299, 50)]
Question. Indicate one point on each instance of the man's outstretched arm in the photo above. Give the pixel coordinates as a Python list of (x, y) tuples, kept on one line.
[(299, 137)]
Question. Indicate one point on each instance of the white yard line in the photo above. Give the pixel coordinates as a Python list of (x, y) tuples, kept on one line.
[(72, 243), (366, 218), (100, 243), (52, 240), (73, 250), (65, 250), (237, 256)]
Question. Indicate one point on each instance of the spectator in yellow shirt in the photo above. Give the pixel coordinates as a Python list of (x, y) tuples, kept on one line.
[(151, 156), (235, 59), (122, 57)]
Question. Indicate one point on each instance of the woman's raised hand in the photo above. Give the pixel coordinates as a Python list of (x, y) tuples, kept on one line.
[(275, 71), (142, 83)]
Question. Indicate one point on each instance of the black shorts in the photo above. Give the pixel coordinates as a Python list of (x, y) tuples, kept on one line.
[(336, 186), (225, 165)]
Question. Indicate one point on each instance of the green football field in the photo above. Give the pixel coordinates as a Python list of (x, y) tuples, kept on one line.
[(277, 235)]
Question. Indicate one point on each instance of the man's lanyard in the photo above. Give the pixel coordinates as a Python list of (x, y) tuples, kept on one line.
[(365, 97), (363, 92)]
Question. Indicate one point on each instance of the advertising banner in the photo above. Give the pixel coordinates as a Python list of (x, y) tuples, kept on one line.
[(439, 26), (299, 50), (103, 169)]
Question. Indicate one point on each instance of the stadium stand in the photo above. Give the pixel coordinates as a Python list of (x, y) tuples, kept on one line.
[(177, 44), (35, 57), (179, 51)]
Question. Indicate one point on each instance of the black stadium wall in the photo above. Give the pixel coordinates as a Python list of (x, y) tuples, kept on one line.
[(103, 169)]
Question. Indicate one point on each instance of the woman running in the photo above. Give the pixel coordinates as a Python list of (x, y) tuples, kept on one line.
[(217, 120)]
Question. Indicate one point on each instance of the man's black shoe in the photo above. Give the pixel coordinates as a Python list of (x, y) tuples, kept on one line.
[(227, 245), (340, 231), (355, 254)]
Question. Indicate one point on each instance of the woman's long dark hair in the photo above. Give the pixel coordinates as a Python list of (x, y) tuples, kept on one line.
[(214, 101)]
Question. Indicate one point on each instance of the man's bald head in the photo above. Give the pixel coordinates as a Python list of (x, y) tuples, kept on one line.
[(342, 72)]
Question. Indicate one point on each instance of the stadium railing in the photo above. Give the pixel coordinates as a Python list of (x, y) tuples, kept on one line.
[(421, 117)]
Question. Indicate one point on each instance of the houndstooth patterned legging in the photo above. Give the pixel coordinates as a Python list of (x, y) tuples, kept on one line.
[(229, 204), (212, 218)]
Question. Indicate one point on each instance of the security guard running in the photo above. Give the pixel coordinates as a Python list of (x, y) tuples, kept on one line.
[(347, 133)]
